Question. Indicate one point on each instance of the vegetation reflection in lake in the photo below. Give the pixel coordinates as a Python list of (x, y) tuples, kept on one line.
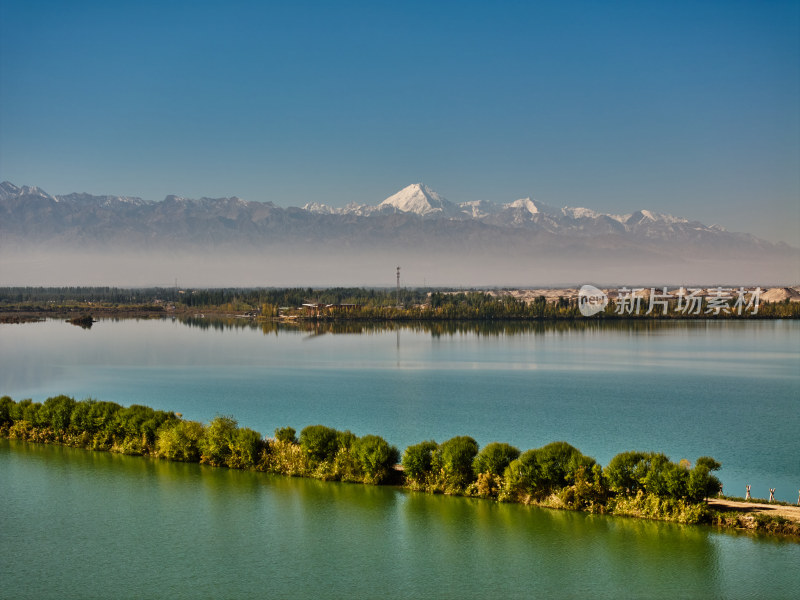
[(139, 527), (688, 389), (439, 328)]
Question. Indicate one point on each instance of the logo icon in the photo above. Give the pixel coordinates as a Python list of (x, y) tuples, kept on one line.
[(591, 300)]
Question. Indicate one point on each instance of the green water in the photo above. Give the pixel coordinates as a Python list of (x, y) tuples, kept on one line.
[(730, 390), (78, 524)]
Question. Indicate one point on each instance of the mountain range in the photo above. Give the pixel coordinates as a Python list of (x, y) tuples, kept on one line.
[(416, 225), (420, 200), (30, 211)]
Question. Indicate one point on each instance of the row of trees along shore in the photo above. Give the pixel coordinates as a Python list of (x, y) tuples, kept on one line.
[(558, 475), (349, 304)]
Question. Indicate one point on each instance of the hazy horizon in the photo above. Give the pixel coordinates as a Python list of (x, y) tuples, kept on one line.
[(239, 269)]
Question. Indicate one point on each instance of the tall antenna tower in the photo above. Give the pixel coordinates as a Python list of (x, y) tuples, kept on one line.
[(398, 287)]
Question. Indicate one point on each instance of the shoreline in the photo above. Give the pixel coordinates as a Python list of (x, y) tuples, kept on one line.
[(402, 305), (727, 515), (369, 460), (22, 316)]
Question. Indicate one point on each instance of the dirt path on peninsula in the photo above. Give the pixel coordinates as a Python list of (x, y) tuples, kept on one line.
[(787, 512)]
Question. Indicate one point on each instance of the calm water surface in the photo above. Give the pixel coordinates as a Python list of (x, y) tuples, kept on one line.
[(728, 390), (77, 524)]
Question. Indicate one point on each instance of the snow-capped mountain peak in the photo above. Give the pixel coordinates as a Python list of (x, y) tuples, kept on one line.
[(9, 190), (522, 217), (645, 217), (525, 204), (318, 208), (478, 209), (579, 213), (419, 199)]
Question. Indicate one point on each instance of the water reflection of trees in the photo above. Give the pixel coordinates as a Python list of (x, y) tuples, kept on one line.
[(440, 328)]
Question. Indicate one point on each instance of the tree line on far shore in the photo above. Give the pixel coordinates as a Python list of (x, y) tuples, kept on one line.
[(343, 304)]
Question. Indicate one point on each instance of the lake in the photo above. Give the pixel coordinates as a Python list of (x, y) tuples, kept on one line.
[(730, 390), (82, 524), (78, 524)]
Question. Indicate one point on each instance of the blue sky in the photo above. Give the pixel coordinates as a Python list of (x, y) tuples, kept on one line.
[(691, 108)]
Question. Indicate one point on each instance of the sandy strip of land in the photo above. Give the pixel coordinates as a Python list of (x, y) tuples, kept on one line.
[(787, 512)]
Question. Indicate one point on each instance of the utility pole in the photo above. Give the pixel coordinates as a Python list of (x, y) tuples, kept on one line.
[(398, 287)]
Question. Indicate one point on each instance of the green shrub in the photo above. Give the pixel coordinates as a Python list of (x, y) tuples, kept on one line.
[(346, 467), (215, 445), (543, 471), (626, 472), (589, 491), (488, 485), (494, 458), (285, 458), (375, 456), (702, 484), (559, 463), (137, 421), (92, 416), (26, 410), (56, 412), (649, 506), (654, 474), (319, 443), (6, 408), (181, 441), (418, 461), (21, 429), (456, 456), (245, 448), (664, 478), (523, 476), (345, 439), (286, 434)]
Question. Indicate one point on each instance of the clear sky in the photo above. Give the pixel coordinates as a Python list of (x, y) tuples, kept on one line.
[(690, 108)]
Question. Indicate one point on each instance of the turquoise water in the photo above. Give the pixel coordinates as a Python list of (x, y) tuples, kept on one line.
[(728, 390), (78, 524)]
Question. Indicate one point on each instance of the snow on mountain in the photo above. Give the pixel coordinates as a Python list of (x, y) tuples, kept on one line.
[(320, 209), (84, 198), (361, 210), (419, 199), (525, 204), (523, 217), (579, 213), (8, 191), (478, 209), (416, 199), (643, 217)]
